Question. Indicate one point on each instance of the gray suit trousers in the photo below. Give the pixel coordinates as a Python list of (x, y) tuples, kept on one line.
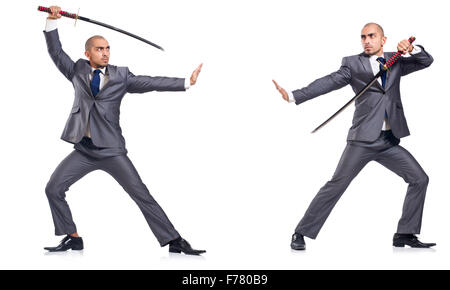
[(386, 151), (77, 164)]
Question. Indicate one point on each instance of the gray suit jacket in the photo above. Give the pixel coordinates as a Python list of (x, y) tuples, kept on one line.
[(103, 109), (372, 105)]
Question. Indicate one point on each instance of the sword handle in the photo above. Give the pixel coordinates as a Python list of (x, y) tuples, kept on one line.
[(393, 59), (62, 13)]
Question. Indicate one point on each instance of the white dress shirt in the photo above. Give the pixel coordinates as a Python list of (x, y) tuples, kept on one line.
[(104, 76), (51, 24), (375, 69), (375, 65)]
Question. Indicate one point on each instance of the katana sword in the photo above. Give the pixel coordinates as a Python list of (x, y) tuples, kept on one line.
[(393, 59), (78, 17)]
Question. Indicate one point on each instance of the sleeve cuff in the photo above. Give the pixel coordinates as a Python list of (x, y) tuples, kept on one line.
[(416, 50), (51, 25), (291, 97), (187, 83)]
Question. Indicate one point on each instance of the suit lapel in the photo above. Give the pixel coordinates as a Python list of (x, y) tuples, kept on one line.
[(364, 58), (365, 63), (86, 71), (111, 74)]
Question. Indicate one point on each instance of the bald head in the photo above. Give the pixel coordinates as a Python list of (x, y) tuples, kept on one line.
[(90, 42), (377, 26)]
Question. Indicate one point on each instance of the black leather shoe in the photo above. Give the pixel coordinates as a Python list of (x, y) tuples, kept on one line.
[(181, 245), (298, 242), (68, 243), (400, 240)]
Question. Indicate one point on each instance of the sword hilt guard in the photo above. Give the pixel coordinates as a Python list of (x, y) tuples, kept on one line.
[(78, 13), (383, 66), (393, 59), (62, 13)]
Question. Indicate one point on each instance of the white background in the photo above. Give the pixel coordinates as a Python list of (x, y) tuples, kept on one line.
[(231, 163)]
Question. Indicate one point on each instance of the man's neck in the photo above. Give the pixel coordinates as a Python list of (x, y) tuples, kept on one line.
[(94, 66), (380, 53)]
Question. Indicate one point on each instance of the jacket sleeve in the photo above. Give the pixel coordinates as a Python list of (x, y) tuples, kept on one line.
[(324, 85), (143, 84), (62, 61), (415, 62)]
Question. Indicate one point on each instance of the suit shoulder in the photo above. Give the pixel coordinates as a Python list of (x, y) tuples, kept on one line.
[(119, 69), (347, 60), (352, 57), (80, 61)]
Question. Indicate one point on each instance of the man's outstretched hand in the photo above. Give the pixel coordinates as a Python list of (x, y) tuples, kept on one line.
[(195, 74), (55, 12), (282, 91)]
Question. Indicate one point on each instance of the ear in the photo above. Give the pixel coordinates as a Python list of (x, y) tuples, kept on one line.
[(87, 54), (383, 40)]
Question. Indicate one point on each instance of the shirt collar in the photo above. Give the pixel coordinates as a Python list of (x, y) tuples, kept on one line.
[(102, 70), (373, 58)]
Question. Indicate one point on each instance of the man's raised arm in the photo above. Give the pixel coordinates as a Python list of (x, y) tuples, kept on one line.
[(419, 59), (64, 63)]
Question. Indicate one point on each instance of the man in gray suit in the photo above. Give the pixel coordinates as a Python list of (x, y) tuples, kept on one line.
[(378, 125), (93, 127)]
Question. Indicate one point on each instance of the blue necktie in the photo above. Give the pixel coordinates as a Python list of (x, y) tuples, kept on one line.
[(95, 82), (382, 61), (383, 75)]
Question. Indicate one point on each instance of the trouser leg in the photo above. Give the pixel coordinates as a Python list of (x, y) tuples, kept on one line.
[(352, 161), (400, 161), (71, 169), (123, 171)]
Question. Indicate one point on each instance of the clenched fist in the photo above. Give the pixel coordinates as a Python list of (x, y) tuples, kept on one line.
[(404, 46), (55, 12)]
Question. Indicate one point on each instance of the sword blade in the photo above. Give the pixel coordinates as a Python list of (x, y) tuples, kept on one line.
[(349, 102), (76, 16), (119, 30)]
